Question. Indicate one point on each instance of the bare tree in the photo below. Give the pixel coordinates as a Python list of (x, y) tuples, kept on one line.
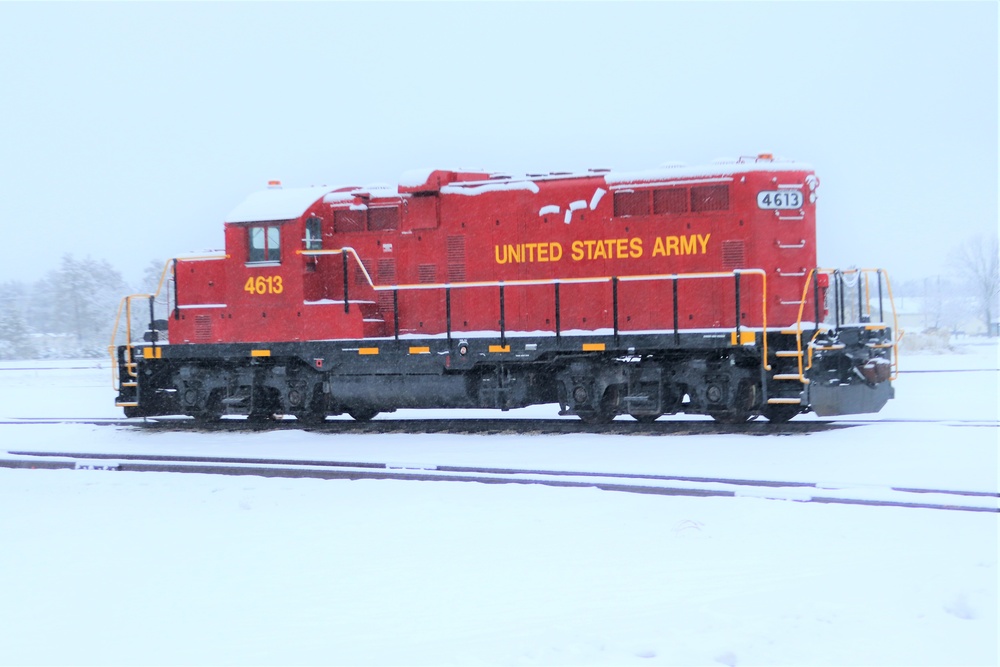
[(977, 263)]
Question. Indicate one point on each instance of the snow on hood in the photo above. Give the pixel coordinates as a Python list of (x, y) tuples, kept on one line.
[(278, 204), (719, 168)]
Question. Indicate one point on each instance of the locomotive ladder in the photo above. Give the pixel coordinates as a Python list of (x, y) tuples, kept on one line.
[(127, 358), (803, 353)]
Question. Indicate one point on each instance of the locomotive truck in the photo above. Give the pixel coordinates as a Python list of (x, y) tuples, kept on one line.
[(645, 293)]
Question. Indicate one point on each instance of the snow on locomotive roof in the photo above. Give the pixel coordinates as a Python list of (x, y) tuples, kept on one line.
[(717, 169), (724, 167), (278, 203)]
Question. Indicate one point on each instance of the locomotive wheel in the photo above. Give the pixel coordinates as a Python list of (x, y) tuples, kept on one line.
[(596, 417), (779, 414), (311, 417), (605, 412), (743, 408), (362, 414)]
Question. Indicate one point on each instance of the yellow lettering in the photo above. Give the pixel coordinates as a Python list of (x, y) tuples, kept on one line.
[(577, 250), (689, 245), (672, 242), (515, 253), (600, 250), (555, 251), (590, 248), (621, 248), (497, 252), (658, 250), (543, 252), (703, 240), (636, 248)]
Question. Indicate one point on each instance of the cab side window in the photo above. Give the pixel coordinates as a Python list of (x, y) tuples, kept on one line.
[(314, 238), (265, 243)]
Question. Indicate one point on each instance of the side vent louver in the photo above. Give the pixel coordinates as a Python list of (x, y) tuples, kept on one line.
[(456, 259), (203, 328), (734, 255)]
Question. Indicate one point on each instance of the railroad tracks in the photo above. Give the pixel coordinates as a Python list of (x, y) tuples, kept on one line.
[(459, 426), (514, 426), (667, 485)]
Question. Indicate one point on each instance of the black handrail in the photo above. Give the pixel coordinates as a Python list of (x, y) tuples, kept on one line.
[(881, 314), (862, 316), (177, 309), (677, 333), (816, 302), (558, 318), (347, 303), (503, 319), (447, 309), (736, 277), (395, 311), (614, 303)]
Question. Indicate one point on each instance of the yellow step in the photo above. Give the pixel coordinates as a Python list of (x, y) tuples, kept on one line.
[(790, 376), (788, 353), (784, 401)]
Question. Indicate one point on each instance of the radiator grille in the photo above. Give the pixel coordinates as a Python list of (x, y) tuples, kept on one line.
[(386, 276), (734, 255), (709, 198), (673, 200), (203, 328), (456, 259), (427, 273)]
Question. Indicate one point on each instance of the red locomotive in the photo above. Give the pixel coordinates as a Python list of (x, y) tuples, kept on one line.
[(645, 293)]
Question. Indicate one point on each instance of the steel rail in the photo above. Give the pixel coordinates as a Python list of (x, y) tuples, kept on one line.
[(669, 485)]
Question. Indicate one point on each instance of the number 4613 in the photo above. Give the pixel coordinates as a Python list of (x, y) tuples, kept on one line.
[(263, 285)]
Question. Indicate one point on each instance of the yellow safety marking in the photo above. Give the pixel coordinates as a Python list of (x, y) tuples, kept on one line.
[(499, 348), (260, 353), (784, 401), (152, 353), (792, 376), (593, 347), (788, 353), (420, 350), (132, 404), (367, 350), (874, 327), (746, 338)]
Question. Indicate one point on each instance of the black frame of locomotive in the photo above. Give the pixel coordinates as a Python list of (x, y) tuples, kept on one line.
[(594, 376)]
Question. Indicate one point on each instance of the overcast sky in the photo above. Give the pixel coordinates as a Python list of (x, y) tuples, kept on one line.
[(129, 131)]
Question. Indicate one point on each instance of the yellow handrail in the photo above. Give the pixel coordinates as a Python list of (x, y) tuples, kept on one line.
[(126, 305), (897, 332)]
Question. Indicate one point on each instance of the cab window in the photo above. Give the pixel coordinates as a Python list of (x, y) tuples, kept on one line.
[(265, 243), (314, 238)]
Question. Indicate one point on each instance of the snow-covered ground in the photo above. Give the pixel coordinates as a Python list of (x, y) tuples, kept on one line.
[(101, 567)]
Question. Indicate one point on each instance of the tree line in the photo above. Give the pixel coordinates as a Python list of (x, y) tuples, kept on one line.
[(69, 313)]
